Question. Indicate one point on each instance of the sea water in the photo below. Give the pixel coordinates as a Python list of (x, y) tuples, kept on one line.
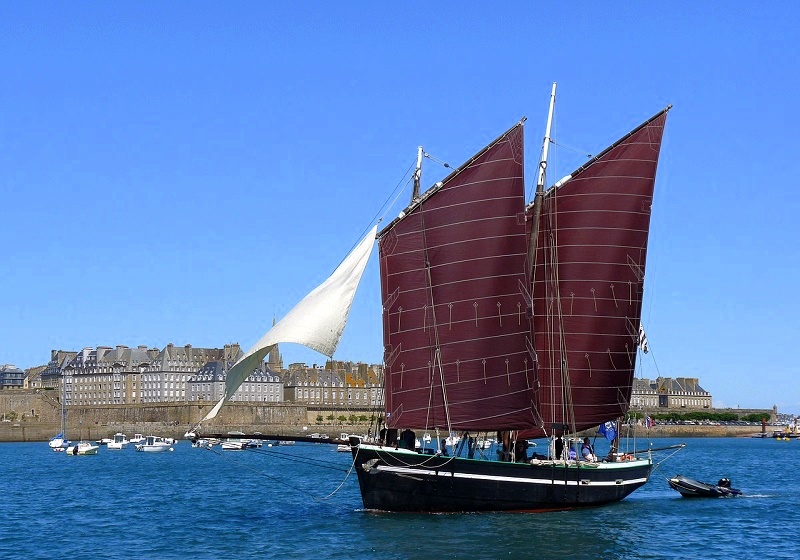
[(302, 501)]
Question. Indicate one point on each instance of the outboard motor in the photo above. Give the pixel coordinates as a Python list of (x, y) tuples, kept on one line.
[(724, 483)]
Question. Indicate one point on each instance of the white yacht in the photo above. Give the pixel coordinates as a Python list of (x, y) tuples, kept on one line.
[(83, 448), (154, 444), (120, 441), (59, 442)]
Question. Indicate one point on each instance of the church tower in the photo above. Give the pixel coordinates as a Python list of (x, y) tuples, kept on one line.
[(274, 359)]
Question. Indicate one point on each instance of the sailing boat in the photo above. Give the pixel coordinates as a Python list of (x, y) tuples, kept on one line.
[(59, 442), (503, 317), (518, 319)]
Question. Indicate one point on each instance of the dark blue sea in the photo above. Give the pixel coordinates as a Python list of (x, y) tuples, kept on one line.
[(299, 502)]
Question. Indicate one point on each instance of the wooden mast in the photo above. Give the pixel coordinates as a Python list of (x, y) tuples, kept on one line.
[(537, 201)]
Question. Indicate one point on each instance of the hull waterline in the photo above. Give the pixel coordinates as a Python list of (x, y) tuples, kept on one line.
[(404, 481)]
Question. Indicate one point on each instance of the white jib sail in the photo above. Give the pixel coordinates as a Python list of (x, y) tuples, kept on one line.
[(317, 322)]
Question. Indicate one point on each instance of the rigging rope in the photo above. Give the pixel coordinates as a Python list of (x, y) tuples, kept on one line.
[(298, 459), (386, 205), (572, 149), (657, 465)]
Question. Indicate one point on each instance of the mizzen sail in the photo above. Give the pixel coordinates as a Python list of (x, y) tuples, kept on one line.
[(456, 332), (589, 278), (317, 321)]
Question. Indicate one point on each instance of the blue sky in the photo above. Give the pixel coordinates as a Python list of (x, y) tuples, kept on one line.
[(182, 172)]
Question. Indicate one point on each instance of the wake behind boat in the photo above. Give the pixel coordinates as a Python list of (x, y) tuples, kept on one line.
[(499, 317)]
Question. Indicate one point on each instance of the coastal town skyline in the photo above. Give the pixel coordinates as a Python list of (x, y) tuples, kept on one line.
[(123, 375), (197, 365), (193, 180)]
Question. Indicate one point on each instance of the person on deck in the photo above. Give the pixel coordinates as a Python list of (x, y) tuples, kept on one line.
[(521, 451), (559, 445), (586, 450), (408, 440)]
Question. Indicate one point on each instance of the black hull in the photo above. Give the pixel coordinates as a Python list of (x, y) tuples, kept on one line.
[(404, 481)]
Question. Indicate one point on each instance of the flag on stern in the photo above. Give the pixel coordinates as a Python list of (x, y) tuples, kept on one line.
[(609, 430), (643, 339)]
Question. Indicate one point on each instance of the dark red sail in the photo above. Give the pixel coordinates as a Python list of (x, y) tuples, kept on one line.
[(588, 281), (454, 314)]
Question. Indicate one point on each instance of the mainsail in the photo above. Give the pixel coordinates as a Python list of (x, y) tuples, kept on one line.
[(471, 342), (317, 321), (588, 281), (456, 334)]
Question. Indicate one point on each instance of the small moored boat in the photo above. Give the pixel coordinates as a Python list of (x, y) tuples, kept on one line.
[(154, 444), (690, 488), (120, 441), (234, 442), (83, 448), (59, 442)]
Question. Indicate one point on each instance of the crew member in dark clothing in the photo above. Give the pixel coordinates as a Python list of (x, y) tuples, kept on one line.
[(559, 445), (521, 451), (408, 439)]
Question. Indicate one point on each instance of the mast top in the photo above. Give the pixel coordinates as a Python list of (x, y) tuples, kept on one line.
[(417, 175)]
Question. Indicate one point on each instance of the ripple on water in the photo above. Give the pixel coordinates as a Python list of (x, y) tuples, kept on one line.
[(200, 505)]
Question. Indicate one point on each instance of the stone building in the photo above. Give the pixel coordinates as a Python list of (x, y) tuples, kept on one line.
[(33, 377), (644, 394), (11, 377), (123, 375), (105, 375), (165, 379), (50, 376), (337, 384), (666, 393), (208, 384)]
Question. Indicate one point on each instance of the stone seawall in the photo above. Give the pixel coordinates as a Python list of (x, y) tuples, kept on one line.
[(691, 431), (37, 418)]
